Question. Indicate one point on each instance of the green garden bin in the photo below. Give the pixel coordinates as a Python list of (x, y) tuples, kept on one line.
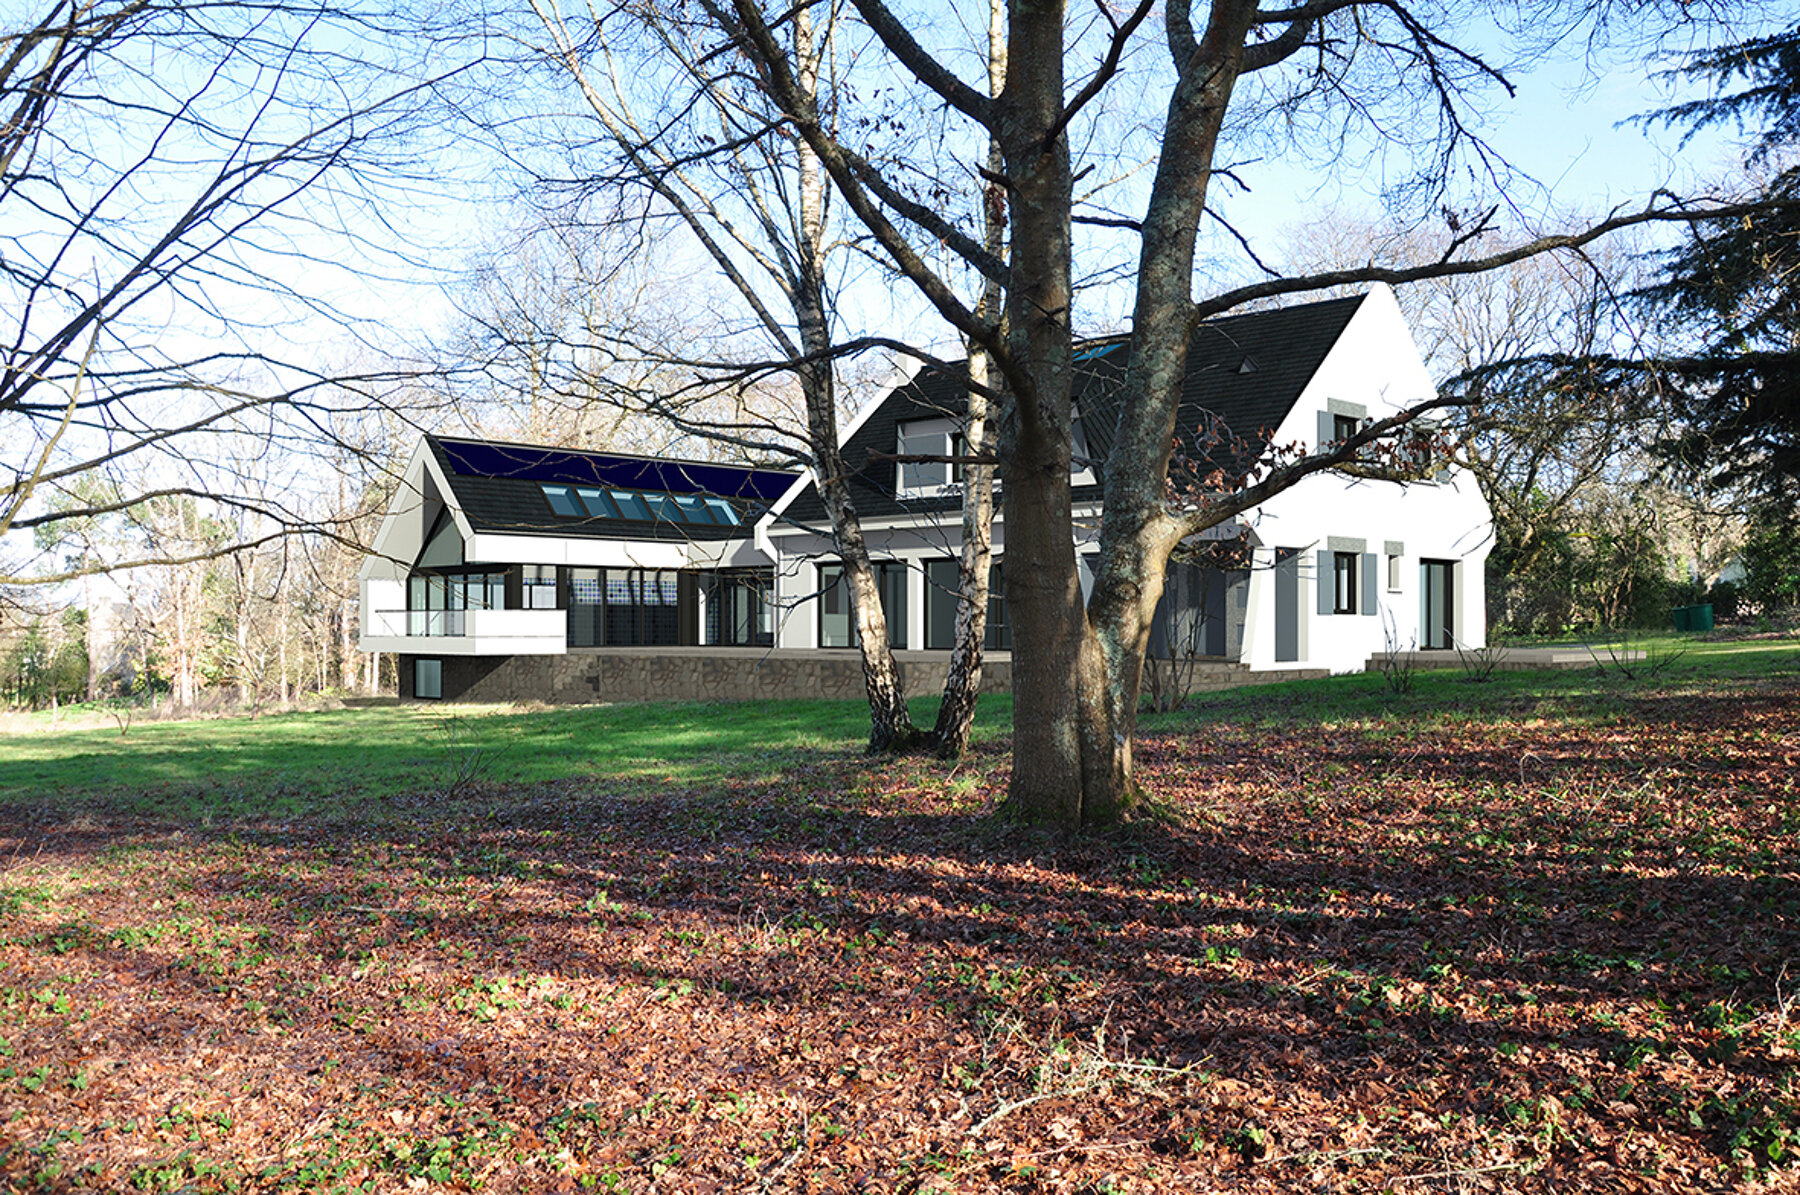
[(1693, 618)]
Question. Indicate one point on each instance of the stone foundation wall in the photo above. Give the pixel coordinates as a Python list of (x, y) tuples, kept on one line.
[(687, 674)]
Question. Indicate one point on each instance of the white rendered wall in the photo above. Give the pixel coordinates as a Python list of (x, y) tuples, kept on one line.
[(1375, 366)]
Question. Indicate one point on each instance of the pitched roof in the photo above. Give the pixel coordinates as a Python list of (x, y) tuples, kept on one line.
[(499, 487), (1247, 369)]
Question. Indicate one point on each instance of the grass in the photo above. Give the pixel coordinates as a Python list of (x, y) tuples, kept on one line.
[(347, 762), (1447, 696)]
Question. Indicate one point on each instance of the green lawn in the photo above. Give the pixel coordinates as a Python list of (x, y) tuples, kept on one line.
[(345, 762), (1444, 697)]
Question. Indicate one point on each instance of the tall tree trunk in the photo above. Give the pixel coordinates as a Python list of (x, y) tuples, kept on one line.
[(1078, 672), (1138, 532), (962, 683), (1054, 652), (890, 723)]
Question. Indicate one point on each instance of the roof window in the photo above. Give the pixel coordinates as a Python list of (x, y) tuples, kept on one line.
[(643, 506)]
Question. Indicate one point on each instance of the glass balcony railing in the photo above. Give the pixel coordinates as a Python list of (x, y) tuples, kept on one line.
[(427, 623)]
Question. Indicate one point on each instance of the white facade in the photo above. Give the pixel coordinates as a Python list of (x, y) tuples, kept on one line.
[(1391, 538)]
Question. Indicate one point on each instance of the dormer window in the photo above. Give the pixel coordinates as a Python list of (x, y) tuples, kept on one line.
[(927, 437)]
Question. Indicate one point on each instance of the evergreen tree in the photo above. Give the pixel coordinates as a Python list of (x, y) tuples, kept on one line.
[(1736, 284)]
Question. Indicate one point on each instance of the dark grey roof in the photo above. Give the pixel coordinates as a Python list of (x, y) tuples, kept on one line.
[(1247, 369), (500, 488)]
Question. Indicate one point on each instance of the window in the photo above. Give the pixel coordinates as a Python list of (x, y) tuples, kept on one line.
[(428, 679), (739, 610), (624, 607), (631, 505), (1343, 576), (1343, 427), (596, 503), (931, 437), (693, 508), (837, 626), (562, 500), (943, 582), (1393, 574), (436, 603), (538, 587)]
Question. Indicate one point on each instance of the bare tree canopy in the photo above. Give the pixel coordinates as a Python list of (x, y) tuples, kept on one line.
[(1298, 81), (182, 186)]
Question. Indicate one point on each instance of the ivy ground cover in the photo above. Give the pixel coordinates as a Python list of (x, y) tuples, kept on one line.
[(1535, 935)]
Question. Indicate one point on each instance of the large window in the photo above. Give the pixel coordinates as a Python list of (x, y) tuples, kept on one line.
[(738, 610), (943, 579), (624, 607), (837, 625), (436, 602), (1343, 576)]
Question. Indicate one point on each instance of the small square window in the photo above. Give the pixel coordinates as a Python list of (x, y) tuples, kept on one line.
[(1343, 427), (428, 679)]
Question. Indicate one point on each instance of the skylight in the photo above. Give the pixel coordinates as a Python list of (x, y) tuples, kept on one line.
[(580, 501)]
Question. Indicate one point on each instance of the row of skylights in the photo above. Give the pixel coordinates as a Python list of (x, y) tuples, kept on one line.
[(581, 502)]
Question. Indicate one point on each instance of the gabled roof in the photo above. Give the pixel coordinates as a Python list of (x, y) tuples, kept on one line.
[(1248, 369), (500, 488)]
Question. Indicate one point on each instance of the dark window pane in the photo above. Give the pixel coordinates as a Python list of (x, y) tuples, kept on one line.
[(942, 578), (428, 679), (1343, 567), (631, 506), (562, 500), (596, 503)]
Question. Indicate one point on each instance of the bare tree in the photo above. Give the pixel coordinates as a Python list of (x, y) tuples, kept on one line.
[(1077, 665), (713, 158), (177, 180)]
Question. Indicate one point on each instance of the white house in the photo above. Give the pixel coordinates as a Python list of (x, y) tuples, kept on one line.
[(1339, 568), (495, 560)]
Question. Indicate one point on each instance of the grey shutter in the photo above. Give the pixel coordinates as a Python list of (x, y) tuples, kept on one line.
[(1326, 429), (1368, 583), (1327, 583)]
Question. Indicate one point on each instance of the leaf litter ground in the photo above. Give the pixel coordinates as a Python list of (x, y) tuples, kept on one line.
[(1526, 953)]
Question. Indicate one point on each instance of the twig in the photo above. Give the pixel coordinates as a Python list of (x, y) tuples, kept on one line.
[(805, 1138), (1455, 1172), (1314, 1157)]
